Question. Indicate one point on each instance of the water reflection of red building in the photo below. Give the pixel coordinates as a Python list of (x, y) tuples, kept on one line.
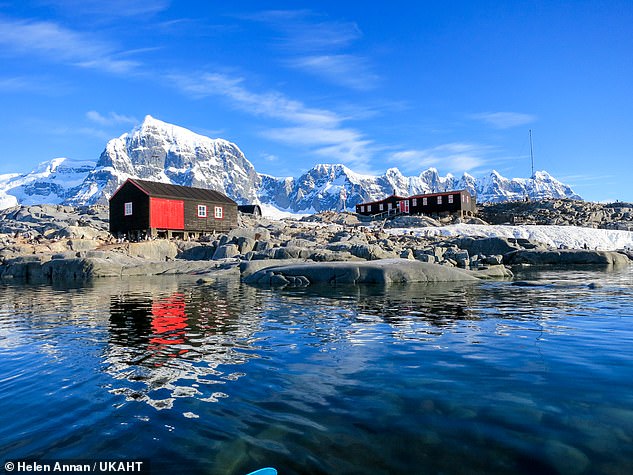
[(169, 323)]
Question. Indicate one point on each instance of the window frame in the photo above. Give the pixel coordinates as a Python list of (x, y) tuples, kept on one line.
[(202, 211), (218, 212), (128, 208)]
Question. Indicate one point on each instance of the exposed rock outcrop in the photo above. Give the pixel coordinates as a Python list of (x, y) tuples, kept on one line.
[(566, 257), (383, 271), (569, 212)]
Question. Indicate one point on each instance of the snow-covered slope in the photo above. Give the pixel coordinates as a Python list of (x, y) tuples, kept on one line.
[(52, 182), (326, 187), (571, 237), (163, 152), (159, 151)]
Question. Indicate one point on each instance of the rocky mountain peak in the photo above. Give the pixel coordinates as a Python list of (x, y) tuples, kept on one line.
[(159, 151)]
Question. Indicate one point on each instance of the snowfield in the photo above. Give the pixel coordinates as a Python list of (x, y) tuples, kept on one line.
[(565, 237), (272, 212)]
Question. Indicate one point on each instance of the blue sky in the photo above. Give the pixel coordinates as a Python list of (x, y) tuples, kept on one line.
[(455, 85)]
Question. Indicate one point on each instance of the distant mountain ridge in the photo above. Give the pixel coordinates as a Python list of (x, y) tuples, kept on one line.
[(159, 151)]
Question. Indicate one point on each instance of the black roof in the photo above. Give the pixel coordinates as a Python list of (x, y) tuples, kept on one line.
[(166, 190), (250, 209)]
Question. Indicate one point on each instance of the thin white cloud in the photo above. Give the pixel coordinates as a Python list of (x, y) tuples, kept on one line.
[(504, 120), (16, 84), (316, 46), (58, 44), (110, 119), (41, 85), (308, 135), (340, 69), (339, 144), (269, 104), (91, 132), (584, 179), (355, 154), (454, 157), (269, 157), (320, 131), (304, 30)]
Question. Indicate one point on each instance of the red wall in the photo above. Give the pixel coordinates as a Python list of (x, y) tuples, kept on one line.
[(166, 214)]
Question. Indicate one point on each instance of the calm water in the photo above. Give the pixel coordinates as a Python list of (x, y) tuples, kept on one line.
[(485, 378)]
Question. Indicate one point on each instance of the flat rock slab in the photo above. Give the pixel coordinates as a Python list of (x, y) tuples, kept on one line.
[(566, 257), (100, 264), (383, 271)]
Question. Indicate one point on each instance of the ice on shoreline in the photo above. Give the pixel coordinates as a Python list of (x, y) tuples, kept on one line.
[(569, 237)]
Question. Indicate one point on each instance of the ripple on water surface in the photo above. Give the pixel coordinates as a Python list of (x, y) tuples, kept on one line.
[(225, 378)]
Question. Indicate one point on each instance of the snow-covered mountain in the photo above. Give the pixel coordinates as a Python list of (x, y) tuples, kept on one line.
[(52, 182), (326, 187), (159, 151), (163, 152)]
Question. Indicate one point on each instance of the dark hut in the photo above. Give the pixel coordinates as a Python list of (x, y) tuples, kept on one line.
[(254, 210), (146, 208)]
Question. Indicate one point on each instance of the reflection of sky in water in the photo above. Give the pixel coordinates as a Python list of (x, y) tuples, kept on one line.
[(414, 378)]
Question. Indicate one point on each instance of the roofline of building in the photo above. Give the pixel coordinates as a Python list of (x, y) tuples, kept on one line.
[(442, 193), (131, 180), (384, 199), (135, 181)]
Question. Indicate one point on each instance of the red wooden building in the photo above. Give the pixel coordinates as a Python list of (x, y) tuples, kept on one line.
[(141, 208), (448, 202)]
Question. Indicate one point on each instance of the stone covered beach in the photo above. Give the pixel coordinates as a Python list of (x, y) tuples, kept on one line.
[(47, 243)]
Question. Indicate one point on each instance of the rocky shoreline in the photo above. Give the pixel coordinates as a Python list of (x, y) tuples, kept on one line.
[(59, 243)]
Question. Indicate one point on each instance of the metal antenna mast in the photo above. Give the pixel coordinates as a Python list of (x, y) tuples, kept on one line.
[(531, 154)]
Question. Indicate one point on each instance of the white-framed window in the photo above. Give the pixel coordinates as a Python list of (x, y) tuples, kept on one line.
[(466, 198), (415, 201), (380, 207), (368, 208), (425, 201), (128, 209), (362, 209), (439, 200), (219, 212), (202, 211), (389, 205), (450, 199)]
